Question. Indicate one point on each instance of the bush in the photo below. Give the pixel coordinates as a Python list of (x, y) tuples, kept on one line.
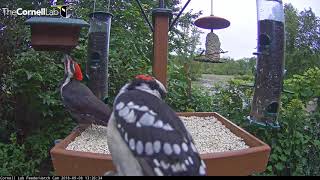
[(182, 97), (26, 159), (32, 113), (14, 160), (295, 147), (305, 86)]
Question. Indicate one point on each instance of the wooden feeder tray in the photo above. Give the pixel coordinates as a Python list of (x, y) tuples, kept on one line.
[(55, 34), (234, 163), (212, 22)]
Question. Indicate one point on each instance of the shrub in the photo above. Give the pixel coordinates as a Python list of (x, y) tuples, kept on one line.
[(295, 147), (182, 97)]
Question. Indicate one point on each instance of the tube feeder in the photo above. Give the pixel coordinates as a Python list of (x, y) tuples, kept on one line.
[(98, 53), (270, 65)]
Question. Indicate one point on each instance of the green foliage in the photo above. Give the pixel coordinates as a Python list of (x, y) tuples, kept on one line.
[(302, 40), (13, 159), (183, 99), (184, 41), (33, 84), (233, 100), (35, 115), (230, 67), (32, 116), (25, 159), (291, 144), (295, 147), (306, 86), (30, 104)]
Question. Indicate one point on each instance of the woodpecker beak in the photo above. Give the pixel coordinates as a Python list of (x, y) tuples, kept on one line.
[(162, 86), (67, 64)]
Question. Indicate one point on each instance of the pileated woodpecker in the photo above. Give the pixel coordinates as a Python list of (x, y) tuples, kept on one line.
[(79, 100)]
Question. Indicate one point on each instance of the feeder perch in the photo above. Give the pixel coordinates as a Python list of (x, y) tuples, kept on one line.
[(232, 163), (55, 34)]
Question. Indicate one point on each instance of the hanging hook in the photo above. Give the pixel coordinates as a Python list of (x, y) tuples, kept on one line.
[(94, 5), (212, 8), (108, 8), (161, 4), (94, 8)]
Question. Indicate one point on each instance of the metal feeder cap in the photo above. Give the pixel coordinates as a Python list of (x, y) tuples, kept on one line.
[(212, 22), (100, 13)]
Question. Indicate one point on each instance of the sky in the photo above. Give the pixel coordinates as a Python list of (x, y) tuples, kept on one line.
[(240, 39)]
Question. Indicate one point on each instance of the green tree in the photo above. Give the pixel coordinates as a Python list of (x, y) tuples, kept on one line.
[(30, 105), (302, 40), (184, 42)]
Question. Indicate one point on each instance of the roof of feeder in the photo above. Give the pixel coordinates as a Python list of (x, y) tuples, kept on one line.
[(212, 22), (57, 21)]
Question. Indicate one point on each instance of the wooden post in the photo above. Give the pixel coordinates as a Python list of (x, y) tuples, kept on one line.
[(161, 18)]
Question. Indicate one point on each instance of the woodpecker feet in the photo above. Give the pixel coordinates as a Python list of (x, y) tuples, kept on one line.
[(80, 128), (110, 173)]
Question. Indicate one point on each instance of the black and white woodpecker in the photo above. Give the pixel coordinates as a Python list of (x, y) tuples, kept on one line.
[(146, 137), (79, 100)]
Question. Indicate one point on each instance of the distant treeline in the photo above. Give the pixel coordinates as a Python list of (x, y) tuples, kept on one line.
[(229, 67)]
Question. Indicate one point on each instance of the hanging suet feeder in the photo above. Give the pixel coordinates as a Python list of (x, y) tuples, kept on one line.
[(213, 44), (55, 34)]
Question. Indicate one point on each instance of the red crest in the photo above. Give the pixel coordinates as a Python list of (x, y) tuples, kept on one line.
[(78, 73), (145, 77)]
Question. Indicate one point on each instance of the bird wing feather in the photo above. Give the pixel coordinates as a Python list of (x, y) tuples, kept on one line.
[(84, 104), (177, 154)]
